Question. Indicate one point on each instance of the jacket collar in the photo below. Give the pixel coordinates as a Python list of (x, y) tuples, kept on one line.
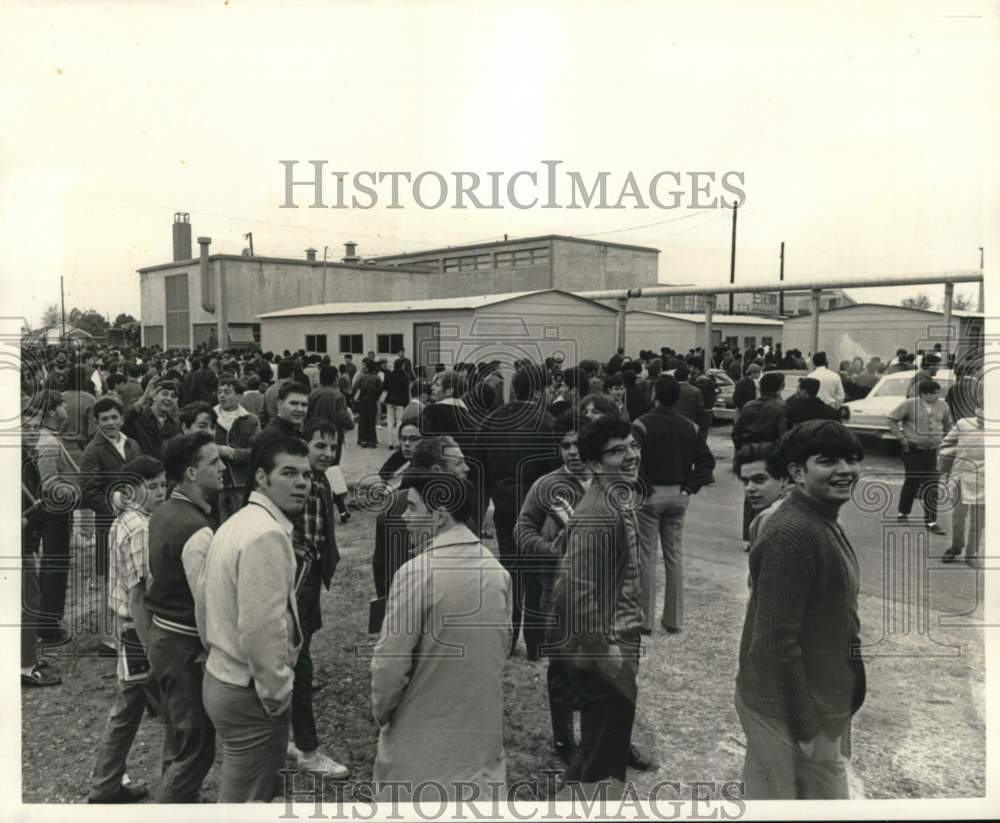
[(265, 502), (240, 411), (457, 535)]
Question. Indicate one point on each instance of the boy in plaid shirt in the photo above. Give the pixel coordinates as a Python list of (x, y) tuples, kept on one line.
[(128, 577)]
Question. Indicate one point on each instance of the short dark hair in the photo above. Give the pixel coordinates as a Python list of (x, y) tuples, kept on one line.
[(828, 438), (819, 358), (182, 451), (440, 490), (529, 379), (595, 434), (667, 390), (753, 452), (166, 385), (321, 425), (191, 411), (566, 422), (772, 382), (928, 387), (328, 375), (226, 380), (430, 451), (810, 385), (291, 387), (286, 368), (107, 404), (142, 468), (265, 455), (253, 381)]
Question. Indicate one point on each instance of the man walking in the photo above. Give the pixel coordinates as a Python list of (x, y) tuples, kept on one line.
[(801, 676), (675, 464), (920, 424), (248, 615)]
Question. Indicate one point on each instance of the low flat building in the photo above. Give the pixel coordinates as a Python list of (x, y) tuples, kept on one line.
[(652, 330), (866, 330), (504, 327)]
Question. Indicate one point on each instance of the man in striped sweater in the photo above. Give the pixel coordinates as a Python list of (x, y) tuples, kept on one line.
[(801, 676), (182, 528)]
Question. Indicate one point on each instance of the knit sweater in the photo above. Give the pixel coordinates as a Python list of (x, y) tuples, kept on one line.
[(800, 659)]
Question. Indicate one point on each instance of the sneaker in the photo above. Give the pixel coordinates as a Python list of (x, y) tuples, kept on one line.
[(37, 678), (345, 517), (319, 763), (637, 760), (934, 528), (902, 518), (292, 752)]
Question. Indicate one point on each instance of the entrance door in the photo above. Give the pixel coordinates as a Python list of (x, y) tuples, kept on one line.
[(426, 348)]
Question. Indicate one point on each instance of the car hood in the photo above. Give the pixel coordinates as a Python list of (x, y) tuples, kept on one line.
[(874, 406)]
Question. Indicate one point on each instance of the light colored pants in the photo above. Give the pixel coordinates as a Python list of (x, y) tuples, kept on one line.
[(775, 768), (254, 743), (393, 417), (661, 519)]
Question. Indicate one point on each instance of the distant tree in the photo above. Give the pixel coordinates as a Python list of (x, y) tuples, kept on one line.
[(122, 320), (51, 316), (921, 301), (961, 301), (90, 321)]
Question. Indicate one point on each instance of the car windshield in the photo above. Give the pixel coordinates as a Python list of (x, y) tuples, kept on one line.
[(894, 388)]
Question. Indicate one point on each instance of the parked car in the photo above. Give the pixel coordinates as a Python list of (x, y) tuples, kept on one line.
[(723, 409), (867, 416)]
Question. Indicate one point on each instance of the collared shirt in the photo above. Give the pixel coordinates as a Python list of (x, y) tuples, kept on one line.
[(309, 535), (128, 543), (831, 387), (628, 609), (119, 444)]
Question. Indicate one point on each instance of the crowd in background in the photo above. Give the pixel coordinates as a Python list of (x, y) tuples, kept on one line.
[(210, 485)]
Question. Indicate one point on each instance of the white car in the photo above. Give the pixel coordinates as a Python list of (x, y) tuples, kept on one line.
[(868, 415)]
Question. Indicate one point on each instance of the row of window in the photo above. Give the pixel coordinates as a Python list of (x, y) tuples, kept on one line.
[(354, 343), (504, 260)]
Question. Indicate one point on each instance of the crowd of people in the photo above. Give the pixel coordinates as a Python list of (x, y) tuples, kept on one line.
[(211, 485)]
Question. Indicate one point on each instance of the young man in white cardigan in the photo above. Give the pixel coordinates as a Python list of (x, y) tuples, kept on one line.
[(248, 619)]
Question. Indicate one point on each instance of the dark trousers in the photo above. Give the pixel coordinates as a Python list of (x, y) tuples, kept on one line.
[(921, 480), (303, 719), (53, 572), (561, 701), (253, 742), (30, 600), (367, 416), (607, 713), (176, 663), (504, 519)]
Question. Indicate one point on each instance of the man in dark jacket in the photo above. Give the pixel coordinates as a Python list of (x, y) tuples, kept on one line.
[(152, 421), (806, 405), (745, 389), (615, 363), (765, 419), (235, 431), (516, 446), (691, 402), (290, 413), (314, 541), (597, 607), (801, 676), (676, 463)]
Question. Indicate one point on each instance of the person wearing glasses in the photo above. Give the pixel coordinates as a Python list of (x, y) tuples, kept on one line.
[(597, 611), (676, 463)]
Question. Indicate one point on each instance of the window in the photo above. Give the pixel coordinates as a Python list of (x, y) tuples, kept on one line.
[(733, 343), (522, 257), (352, 344), (539, 255), (505, 259), (484, 261), (468, 263), (316, 343), (178, 316), (451, 264), (749, 342), (767, 341), (388, 343)]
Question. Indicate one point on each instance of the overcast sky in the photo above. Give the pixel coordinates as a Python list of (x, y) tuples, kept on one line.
[(861, 129)]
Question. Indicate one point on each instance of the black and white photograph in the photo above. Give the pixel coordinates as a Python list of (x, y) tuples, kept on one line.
[(534, 411)]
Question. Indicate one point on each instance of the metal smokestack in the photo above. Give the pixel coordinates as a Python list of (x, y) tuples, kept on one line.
[(351, 249), (310, 254), (182, 236), (207, 295)]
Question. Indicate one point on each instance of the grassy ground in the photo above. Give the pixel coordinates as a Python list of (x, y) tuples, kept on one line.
[(915, 737)]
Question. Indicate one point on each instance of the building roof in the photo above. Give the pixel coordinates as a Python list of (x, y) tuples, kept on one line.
[(71, 331), (297, 261), (510, 242), (437, 304), (890, 306), (717, 319)]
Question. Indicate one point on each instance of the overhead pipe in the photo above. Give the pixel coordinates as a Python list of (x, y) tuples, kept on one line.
[(207, 293), (960, 276)]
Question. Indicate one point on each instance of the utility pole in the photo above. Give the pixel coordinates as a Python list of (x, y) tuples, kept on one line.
[(732, 260), (982, 305), (781, 279), (249, 237), (62, 303)]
